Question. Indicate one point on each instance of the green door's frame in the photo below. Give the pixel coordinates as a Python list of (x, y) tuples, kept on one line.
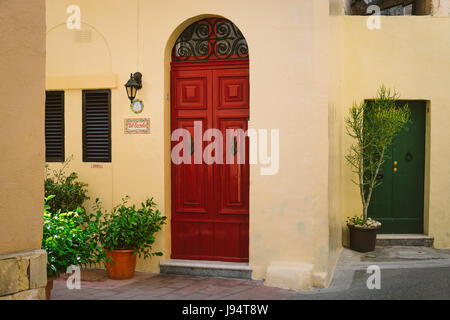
[(401, 202)]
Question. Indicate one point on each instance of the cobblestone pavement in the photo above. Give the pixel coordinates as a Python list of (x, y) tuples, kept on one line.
[(406, 273), (95, 285)]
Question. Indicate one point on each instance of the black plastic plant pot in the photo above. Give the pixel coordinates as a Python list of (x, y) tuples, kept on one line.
[(362, 239)]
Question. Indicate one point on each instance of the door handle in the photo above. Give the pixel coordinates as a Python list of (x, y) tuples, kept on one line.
[(409, 157), (234, 146)]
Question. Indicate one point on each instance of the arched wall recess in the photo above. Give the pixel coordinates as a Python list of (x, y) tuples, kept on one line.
[(77, 52)]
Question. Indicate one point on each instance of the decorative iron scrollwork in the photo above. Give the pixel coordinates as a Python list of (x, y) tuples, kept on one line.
[(210, 39)]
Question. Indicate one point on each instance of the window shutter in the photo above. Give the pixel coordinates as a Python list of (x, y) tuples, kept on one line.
[(54, 126), (96, 125)]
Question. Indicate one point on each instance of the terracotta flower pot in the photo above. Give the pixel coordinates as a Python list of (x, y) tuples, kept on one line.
[(49, 287), (362, 239), (122, 265)]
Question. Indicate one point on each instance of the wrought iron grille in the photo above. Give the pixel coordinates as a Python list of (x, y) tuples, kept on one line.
[(210, 39)]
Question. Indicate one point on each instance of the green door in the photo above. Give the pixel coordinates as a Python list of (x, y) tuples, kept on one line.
[(398, 203)]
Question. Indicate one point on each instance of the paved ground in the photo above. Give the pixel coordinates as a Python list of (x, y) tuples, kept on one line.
[(396, 284), (406, 273), (165, 287)]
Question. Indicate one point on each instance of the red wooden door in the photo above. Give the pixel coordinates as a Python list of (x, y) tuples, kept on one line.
[(210, 202)]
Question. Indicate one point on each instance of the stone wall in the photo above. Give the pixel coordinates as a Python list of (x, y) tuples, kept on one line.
[(23, 276)]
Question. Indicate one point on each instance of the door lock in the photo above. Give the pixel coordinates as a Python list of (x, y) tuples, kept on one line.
[(409, 157), (234, 146)]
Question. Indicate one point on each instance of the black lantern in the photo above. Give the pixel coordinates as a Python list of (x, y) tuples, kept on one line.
[(133, 85)]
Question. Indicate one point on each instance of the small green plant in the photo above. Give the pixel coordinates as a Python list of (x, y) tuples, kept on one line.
[(129, 227), (68, 192), (69, 240), (373, 126)]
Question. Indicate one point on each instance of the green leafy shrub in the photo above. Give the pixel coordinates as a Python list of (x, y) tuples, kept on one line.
[(69, 240), (130, 228), (373, 126), (68, 192)]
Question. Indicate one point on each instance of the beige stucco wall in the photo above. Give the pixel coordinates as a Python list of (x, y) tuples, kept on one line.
[(22, 87), (335, 129), (410, 54), (303, 87), (288, 43)]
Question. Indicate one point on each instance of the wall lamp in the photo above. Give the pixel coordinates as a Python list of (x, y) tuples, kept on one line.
[(133, 85)]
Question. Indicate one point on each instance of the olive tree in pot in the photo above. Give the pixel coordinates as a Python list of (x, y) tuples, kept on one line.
[(373, 126), (69, 239), (127, 232)]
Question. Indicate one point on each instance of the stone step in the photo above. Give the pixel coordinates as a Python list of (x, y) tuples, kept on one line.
[(207, 268), (414, 240)]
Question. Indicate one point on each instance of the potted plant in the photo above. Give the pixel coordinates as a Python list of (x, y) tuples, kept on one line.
[(128, 232), (69, 239), (373, 125)]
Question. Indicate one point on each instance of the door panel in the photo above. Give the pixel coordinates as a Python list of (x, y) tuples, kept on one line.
[(192, 191), (232, 178), (210, 202), (399, 202), (192, 89), (233, 89)]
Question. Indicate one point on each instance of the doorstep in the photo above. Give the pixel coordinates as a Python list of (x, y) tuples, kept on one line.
[(207, 268), (414, 240)]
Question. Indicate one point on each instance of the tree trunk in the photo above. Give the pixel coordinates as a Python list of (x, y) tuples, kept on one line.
[(372, 184)]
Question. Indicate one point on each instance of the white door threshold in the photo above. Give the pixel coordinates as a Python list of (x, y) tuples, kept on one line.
[(207, 268), (413, 240)]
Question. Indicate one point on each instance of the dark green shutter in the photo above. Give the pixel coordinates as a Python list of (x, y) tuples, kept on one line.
[(96, 125), (54, 126)]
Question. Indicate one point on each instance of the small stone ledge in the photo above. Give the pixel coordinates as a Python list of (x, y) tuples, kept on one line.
[(291, 275), (319, 279), (207, 268), (23, 275)]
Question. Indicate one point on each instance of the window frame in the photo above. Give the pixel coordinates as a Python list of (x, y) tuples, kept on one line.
[(85, 157), (62, 158)]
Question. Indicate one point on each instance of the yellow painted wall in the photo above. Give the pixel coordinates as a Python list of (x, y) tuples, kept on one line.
[(306, 69), (22, 79), (289, 56), (412, 55), (335, 129)]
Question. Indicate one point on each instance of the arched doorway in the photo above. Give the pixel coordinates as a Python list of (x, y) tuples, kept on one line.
[(210, 86)]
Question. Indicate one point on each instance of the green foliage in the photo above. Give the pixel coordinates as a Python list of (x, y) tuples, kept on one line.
[(374, 127), (68, 192), (69, 240), (128, 227)]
